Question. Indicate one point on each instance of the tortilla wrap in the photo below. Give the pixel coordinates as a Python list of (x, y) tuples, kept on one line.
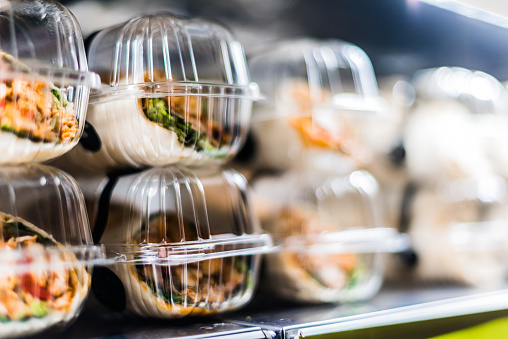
[(13, 226), (130, 139), (37, 123), (163, 291)]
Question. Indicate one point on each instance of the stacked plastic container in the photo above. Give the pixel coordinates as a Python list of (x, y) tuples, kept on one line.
[(321, 100), (333, 247), (175, 92), (454, 207), (46, 249), (188, 242)]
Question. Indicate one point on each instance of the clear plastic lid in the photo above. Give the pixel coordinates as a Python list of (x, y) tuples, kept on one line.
[(174, 90), (184, 242), (311, 208), (46, 250), (458, 230), (167, 54), (318, 95), (468, 206), (44, 81), (304, 77), (480, 92), (173, 214)]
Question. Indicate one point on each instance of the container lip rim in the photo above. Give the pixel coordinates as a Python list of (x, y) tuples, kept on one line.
[(190, 251), (366, 107), (106, 93), (357, 240), (57, 74), (85, 255)]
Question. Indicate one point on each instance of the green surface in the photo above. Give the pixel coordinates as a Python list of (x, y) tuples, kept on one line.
[(493, 329), (426, 329)]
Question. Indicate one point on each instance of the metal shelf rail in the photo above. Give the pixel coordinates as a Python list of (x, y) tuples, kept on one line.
[(449, 307)]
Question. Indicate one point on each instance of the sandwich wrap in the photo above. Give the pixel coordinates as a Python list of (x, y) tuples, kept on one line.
[(39, 287), (169, 290), (36, 120), (310, 276), (137, 132), (306, 130)]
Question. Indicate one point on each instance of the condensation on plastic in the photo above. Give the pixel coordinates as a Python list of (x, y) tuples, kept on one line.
[(459, 229), (44, 81), (330, 232), (318, 96), (185, 242), (46, 250), (174, 90)]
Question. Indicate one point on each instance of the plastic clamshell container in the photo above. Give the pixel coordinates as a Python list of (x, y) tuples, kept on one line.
[(175, 90), (186, 243), (44, 81), (318, 95), (46, 250), (484, 98), (456, 128), (331, 244), (458, 230)]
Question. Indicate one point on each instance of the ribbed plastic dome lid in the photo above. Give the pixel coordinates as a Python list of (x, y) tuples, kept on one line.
[(300, 76), (43, 206), (46, 250), (166, 50), (174, 215), (44, 35), (321, 213), (44, 81)]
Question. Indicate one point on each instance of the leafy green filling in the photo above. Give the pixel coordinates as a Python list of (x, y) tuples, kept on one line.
[(58, 98), (179, 298), (15, 229), (39, 309), (161, 292), (244, 269), (352, 278), (156, 110), (8, 128)]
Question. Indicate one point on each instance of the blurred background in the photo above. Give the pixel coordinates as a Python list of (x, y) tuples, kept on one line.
[(399, 36)]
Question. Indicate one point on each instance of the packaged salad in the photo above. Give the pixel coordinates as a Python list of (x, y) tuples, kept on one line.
[(187, 242), (44, 81), (174, 90), (46, 250)]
